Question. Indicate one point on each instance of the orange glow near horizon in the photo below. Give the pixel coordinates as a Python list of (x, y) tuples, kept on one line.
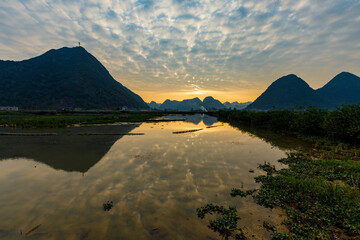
[(222, 96)]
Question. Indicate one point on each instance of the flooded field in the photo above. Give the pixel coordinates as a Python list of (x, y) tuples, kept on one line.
[(54, 186)]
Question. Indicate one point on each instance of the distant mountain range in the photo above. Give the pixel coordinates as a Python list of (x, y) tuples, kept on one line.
[(290, 91), (195, 104), (236, 105), (70, 78), (63, 78)]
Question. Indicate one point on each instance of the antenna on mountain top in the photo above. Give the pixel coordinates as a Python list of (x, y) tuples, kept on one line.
[(79, 44)]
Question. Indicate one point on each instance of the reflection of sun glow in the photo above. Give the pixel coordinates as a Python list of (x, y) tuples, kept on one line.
[(150, 178)]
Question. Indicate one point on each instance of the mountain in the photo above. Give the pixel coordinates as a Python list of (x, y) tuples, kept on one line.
[(286, 93), (344, 88), (195, 104), (236, 105), (63, 78), (169, 105), (212, 104), (154, 105)]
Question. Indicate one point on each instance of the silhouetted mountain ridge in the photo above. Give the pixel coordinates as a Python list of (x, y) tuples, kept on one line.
[(290, 91), (63, 78), (344, 88), (236, 105), (208, 104), (195, 104)]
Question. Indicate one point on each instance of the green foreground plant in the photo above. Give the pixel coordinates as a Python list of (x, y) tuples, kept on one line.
[(317, 205), (225, 223)]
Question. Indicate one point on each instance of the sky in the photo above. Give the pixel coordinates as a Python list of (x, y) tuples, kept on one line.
[(180, 49)]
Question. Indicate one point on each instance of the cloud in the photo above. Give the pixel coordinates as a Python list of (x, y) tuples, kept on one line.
[(212, 43)]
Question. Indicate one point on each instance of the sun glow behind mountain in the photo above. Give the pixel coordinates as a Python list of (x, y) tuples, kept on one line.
[(180, 49)]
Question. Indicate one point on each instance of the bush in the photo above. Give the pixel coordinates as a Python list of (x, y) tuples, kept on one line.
[(342, 124)]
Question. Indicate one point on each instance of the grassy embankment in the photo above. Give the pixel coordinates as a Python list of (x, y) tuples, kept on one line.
[(53, 119), (321, 196)]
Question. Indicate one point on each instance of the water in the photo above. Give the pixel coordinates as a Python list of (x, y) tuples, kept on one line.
[(156, 181)]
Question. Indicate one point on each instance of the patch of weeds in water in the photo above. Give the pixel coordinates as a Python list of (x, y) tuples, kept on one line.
[(331, 170), (251, 171), (269, 226), (317, 207), (279, 236), (108, 205), (225, 223), (238, 192), (268, 168)]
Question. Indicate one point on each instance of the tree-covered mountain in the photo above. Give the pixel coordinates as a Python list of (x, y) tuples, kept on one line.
[(63, 78), (344, 88), (290, 91)]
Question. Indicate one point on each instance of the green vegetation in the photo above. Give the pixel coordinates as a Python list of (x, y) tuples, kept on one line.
[(108, 205), (268, 168), (52, 119), (320, 188), (225, 223), (321, 198), (342, 124), (238, 192), (279, 236), (269, 226)]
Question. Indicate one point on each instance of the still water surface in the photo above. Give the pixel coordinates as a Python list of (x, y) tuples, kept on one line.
[(156, 181)]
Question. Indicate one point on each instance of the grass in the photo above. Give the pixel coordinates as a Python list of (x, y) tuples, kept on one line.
[(318, 207), (53, 119)]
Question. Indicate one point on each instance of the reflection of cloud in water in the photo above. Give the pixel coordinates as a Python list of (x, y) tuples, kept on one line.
[(156, 181)]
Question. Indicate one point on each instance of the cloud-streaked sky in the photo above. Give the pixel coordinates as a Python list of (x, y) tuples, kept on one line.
[(180, 49)]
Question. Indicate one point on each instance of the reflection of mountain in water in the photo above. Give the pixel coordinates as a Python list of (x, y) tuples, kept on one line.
[(68, 150), (195, 118), (209, 120)]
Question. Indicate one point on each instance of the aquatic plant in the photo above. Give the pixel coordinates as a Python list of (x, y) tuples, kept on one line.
[(108, 205), (279, 236), (317, 206), (268, 168), (225, 223), (269, 226), (238, 192)]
